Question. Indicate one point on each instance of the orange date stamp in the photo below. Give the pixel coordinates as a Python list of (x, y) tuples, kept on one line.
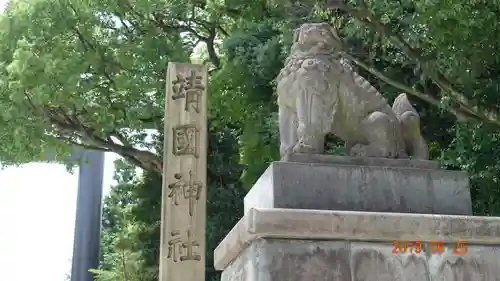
[(432, 247)]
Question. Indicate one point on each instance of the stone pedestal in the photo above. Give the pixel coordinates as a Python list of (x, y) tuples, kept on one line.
[(311, 245), (338, 219), (323, 182)]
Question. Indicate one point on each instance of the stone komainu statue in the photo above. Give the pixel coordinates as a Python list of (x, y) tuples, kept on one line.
[(319, 93)]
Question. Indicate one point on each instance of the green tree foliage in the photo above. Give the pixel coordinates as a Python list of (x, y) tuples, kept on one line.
[(132, 214), (92, 73), (130, 236), (441, 52)]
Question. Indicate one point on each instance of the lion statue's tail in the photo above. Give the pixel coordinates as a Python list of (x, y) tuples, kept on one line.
[(410, 127)]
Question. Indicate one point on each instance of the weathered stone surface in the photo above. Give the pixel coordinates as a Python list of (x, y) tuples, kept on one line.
[(272, 245), (184, 192), (309, 260), (363, 161), (375, 263), (291, 260), (319, 93), (354, 226), (326, 186)]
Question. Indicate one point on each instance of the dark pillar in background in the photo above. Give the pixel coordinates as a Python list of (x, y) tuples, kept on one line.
[(88, 216)]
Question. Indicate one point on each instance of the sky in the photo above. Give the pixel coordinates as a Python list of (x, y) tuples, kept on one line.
[(37, 219)]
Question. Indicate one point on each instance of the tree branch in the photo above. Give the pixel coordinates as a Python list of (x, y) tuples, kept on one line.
[(223, 31), (69, 126), (211, 29), (121, 138), (212, 54), (426, 97), (361, 13), (77, 143)]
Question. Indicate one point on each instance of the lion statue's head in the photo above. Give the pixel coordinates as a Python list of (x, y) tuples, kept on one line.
[(316, 38)]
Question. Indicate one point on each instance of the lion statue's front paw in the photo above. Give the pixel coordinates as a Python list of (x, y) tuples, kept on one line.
[(302, 147), (371, 150)]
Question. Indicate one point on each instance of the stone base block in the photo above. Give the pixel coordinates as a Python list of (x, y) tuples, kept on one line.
[(323, 182), (303, 260), (307, 245)]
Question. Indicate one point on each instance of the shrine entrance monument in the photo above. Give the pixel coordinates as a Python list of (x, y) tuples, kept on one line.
[(183, 208), (383, 213)]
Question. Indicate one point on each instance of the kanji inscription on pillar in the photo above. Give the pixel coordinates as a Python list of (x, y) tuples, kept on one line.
[(185, 140), (190, 88), (184, 191), (189, 190), (182, 247)]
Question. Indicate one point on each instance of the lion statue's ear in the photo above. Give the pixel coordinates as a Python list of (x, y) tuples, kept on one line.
[(333, 30), (335, 36), (296, 34)]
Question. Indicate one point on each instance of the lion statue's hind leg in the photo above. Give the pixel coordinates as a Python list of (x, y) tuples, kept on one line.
[(415, 143), (410, 127), (381, 139)]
